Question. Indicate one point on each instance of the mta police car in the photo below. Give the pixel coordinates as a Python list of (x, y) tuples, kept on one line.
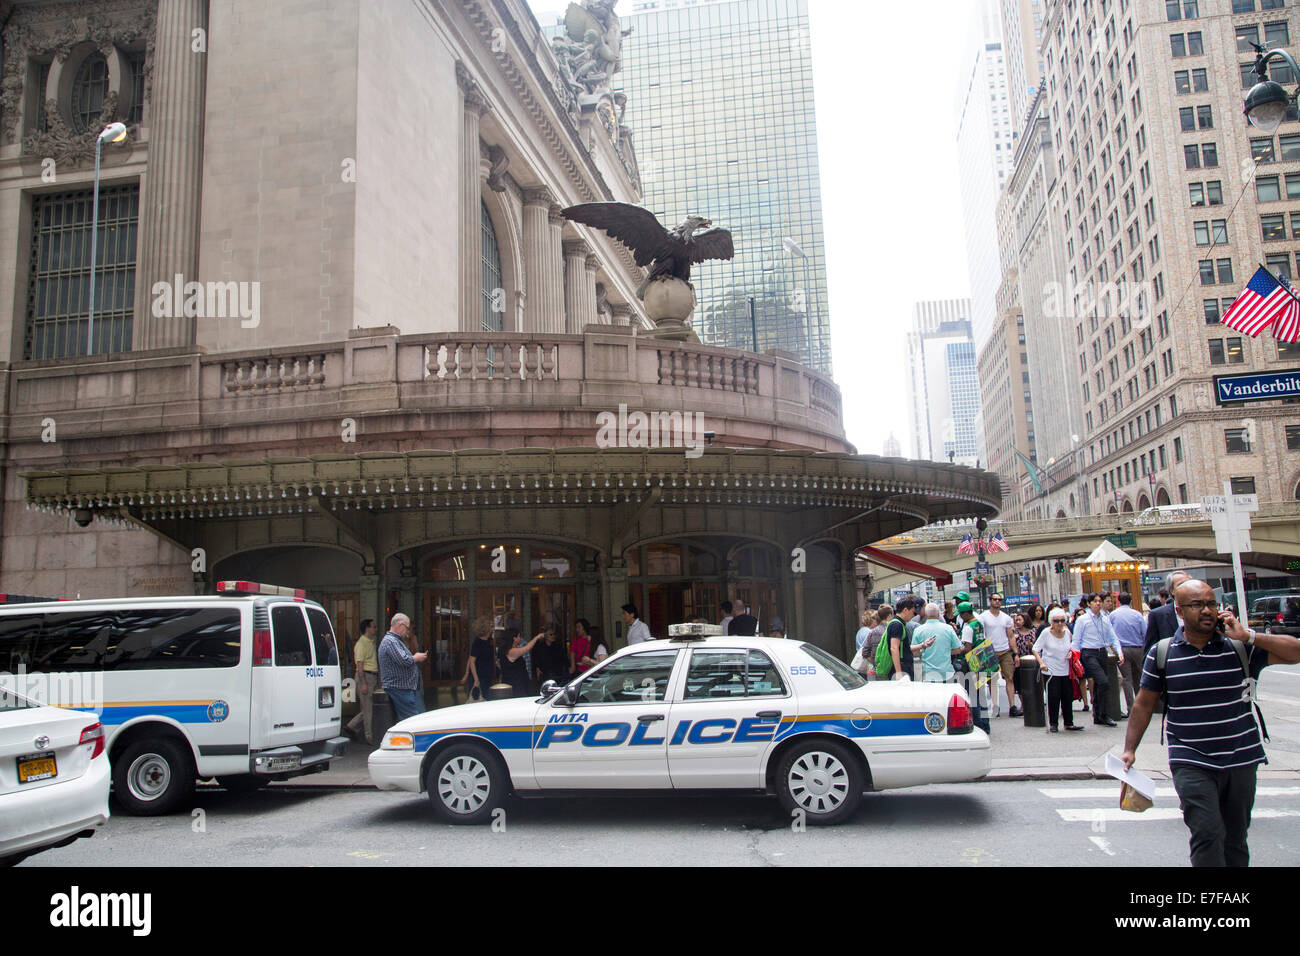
[(698, 711)]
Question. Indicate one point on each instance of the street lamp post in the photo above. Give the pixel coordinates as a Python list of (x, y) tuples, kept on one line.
[(1267, 102), (114, 133)]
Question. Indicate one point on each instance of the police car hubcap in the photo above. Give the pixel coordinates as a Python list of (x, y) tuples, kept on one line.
[(148, 777), (818, 782), (463, 784)]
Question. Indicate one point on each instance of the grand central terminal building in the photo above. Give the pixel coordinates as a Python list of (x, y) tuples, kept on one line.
[(343, 339)]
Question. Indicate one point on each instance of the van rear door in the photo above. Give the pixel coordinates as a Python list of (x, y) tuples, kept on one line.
[(329, 675), (284, 694)]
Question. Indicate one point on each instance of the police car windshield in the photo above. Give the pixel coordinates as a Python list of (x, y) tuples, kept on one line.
[(848, 678)]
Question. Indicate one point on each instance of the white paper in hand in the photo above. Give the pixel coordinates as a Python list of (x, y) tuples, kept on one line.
[(1143, 785)]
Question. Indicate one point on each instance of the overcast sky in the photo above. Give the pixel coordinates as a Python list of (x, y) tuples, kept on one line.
[(885, 82)]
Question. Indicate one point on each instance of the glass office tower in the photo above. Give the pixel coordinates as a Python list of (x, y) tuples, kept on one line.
[(720, 102)]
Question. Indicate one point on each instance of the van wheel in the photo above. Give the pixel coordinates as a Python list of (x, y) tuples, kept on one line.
[(821, 780), (467, 784), (153, 777)]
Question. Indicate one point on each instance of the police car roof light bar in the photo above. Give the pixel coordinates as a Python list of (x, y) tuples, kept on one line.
[(693, 632), (253, 587)]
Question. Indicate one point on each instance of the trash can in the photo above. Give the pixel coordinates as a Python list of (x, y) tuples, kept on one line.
[(1031, 692), (382, 715), (1113, 698), (500, 692)]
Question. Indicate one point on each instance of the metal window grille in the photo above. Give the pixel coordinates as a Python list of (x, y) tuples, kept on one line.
[(136, 113), (492, 319), (58, 296), (88, 91), (42, 80)]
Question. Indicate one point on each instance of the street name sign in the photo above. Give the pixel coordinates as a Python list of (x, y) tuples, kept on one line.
[(1256, 387)]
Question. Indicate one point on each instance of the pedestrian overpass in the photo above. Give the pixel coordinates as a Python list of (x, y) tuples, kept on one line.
[(1274, 535)]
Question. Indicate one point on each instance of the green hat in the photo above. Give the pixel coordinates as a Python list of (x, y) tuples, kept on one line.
[(964, 607), (963, 596)]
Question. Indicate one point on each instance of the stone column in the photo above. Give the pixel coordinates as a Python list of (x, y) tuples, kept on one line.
[(613, 580), (576, 312), (471, 201), (173, 186), (370, 587), (555, 271), (589, 313), (537, 246), (622, 313)]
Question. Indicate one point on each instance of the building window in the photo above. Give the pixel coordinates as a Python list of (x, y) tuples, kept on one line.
[(1288, 350), (1279, 265), (1289, 147), (1182, 494), (1186, 119), (1217, 356), (1237, 441), (1243, 486), (135, 114), (1293, 437), (1205, 117), (1209, 155), (1273, 226), (88, 91), (1267, 189), (1293, 185), (58, 303), (1276, 34), (1201, 83), (1246, 35), (1211, 311), (1261, 150), (1178, 449), (493, 294)]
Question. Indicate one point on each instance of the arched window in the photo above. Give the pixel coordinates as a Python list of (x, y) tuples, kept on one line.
[(493, 318), (88, 91), (1162, 497)]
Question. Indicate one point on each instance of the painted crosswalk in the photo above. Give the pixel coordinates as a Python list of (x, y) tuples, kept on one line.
[(1105, 809)]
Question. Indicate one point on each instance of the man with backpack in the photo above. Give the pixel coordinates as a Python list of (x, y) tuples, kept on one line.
[(1206, 675), (894, 655)]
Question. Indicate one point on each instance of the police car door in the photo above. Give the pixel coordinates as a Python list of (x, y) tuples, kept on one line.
[(284, 694), (614, 737), (724, 720), (329, 675)]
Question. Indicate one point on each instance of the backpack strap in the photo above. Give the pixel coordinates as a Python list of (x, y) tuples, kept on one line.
[(1244, 657), (1162, 655)]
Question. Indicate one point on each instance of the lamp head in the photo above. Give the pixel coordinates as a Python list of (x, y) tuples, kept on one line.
[(114, 132)]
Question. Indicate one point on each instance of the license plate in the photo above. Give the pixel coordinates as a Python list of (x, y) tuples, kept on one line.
[(33, 767)]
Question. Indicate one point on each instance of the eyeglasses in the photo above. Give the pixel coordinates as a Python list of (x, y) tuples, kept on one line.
[(1200, 605)]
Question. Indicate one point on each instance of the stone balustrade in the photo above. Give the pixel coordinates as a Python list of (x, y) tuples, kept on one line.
[(422, 390)]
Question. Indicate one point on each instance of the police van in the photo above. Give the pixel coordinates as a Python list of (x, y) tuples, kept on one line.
[(243, 686)]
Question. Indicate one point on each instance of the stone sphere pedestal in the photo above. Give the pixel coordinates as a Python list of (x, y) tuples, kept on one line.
[(669, 303)]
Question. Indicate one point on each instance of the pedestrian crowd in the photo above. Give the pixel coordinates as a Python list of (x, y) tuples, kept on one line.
[(1188, 657)]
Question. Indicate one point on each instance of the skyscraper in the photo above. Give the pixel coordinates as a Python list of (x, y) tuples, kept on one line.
[(943, 389), (720, 97)]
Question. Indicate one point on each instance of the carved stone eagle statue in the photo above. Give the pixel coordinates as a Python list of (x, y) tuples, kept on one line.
[(668, 252)]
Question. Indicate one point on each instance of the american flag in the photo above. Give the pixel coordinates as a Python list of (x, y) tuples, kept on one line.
[(1286, 326), (1259, 304), (967, 546), (997, 544)]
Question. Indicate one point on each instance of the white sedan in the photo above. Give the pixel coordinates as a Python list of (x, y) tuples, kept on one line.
[(53, 776), (693, 713)]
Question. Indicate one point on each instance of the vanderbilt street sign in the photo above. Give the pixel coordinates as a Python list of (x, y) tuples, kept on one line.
[(1256, 387)]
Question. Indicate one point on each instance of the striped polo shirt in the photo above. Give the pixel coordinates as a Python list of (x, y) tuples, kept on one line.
[(1211, 722)]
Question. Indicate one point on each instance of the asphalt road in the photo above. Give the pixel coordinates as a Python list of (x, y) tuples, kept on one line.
[(982, 824)]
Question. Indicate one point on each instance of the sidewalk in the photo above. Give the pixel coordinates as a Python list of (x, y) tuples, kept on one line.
[(1019, 753)]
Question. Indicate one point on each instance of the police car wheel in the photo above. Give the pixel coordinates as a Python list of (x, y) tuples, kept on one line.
[(466, 784), (821, 780), (152, 777)]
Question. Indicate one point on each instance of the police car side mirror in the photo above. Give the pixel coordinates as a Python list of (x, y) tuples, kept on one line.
[(548, 688), (570, 695)]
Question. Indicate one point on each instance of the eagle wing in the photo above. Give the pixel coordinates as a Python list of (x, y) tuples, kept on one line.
[(712, 244), (635, 227)]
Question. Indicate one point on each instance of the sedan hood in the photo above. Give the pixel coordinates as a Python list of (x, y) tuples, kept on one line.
[(492, 713)]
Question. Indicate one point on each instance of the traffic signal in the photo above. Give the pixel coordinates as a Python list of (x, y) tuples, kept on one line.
[(1060, 567)]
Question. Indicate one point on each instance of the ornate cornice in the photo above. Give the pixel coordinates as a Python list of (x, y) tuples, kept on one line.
[(475, 99)]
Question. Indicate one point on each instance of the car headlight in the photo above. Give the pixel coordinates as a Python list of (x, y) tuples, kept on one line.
[(398, 740)]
